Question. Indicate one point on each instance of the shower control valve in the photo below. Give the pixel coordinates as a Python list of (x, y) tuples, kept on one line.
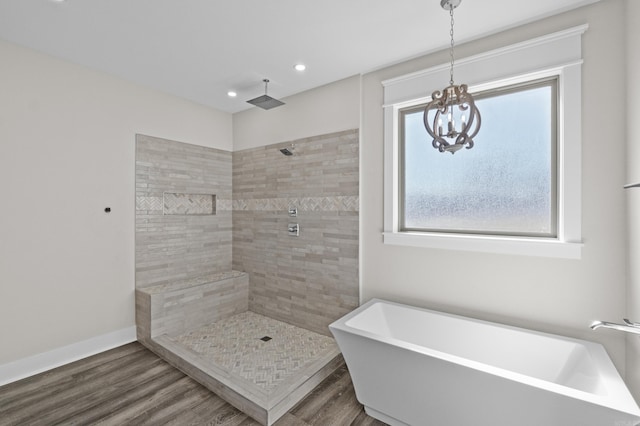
[(294, 230), (293, 211)]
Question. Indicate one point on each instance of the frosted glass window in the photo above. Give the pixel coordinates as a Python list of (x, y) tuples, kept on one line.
[(504, 185)]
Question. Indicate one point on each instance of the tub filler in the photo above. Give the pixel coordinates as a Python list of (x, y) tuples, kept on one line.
[(414, 366)]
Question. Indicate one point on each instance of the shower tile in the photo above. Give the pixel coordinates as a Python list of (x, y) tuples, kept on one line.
[(260, 365), (184, 305), (170, 246), (311, 280), (333, 203), (149, 203), (235, 344)]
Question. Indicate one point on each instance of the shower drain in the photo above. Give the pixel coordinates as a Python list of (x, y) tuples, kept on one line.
[(265, 338)]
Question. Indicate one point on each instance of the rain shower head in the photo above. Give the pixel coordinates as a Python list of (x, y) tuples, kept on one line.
[(265, 101)]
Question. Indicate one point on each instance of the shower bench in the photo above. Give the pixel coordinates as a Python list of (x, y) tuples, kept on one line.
[(181, 306)]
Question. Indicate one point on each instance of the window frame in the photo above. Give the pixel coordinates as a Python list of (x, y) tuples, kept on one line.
[(556, 55), (549, 82)]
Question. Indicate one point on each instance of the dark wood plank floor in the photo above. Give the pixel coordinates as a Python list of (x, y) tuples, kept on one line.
[(132, 386)]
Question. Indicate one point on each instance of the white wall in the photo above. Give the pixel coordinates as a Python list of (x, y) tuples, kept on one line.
[(633, 195), (553, 295), (66, 152), (327, 109)]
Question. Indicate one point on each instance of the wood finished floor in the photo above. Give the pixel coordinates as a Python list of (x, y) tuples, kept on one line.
[(130, 385)]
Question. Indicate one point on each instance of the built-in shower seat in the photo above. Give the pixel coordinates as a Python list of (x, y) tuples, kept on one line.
[(174, 308)]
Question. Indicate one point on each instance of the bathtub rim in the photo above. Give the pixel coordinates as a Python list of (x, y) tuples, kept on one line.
[(617, 395)]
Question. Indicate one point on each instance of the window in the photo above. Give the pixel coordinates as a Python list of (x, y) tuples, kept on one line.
[(504, 185), (518, 190)]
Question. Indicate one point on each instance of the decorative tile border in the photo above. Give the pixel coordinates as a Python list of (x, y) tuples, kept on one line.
[(149, 203), (336, 203), (154, 205)]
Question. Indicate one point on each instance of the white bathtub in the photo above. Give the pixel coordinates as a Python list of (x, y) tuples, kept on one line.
[(416, 367)]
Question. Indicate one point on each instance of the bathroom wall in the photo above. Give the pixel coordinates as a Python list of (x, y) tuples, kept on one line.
[(327, 109), (632, 14), (312, 279), (67, 151), (554, 295), (67, 268), (183, 211)]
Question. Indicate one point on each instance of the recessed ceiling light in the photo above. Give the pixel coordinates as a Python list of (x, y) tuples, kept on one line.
[(231, 94), (300, 67)]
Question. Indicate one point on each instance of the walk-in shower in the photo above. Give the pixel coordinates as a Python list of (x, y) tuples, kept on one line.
[(222, 292)]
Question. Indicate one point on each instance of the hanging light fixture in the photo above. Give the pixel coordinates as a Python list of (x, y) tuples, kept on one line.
[(452, 103)]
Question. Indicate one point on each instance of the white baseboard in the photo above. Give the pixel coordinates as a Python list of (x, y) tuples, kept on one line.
[(35, 364)]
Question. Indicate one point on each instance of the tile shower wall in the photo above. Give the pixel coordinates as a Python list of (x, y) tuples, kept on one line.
[(310, 280), (183, 211)]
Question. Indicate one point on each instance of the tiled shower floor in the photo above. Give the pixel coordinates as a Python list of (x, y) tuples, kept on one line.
[(269, 364), (259, 349)]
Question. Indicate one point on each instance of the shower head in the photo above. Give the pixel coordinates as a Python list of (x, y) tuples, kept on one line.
[(265, 101), (287, 151)]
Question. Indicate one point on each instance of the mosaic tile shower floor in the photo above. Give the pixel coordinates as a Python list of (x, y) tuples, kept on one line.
[(236, 345)]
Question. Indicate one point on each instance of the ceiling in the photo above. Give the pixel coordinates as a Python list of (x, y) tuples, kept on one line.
[(201, 49)]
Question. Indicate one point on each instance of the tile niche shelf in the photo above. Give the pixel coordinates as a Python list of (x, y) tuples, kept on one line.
[(188, 204)]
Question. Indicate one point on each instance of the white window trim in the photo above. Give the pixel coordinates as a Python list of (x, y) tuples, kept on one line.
[(558, 54)]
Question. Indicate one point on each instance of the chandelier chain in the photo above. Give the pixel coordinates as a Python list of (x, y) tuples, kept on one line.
[(451, 49), (451, 118)]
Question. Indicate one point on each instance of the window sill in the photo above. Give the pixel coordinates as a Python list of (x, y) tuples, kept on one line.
[(487, 244)]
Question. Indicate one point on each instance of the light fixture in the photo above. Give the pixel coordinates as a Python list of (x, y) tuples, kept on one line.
[(300, 67), (231, 94), (454, 103)]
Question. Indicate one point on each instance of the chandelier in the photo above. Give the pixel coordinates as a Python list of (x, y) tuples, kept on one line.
[(455, 105)]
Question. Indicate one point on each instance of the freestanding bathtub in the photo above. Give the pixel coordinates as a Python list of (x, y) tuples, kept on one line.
[(413, 366)]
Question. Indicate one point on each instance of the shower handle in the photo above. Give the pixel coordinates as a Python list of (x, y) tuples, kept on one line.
[(293, 229)]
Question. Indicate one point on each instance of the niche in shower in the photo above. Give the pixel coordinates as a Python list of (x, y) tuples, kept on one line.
[(211, 287), (191, 204)]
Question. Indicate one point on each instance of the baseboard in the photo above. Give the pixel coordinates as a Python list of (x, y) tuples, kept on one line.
[(36, 364)]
